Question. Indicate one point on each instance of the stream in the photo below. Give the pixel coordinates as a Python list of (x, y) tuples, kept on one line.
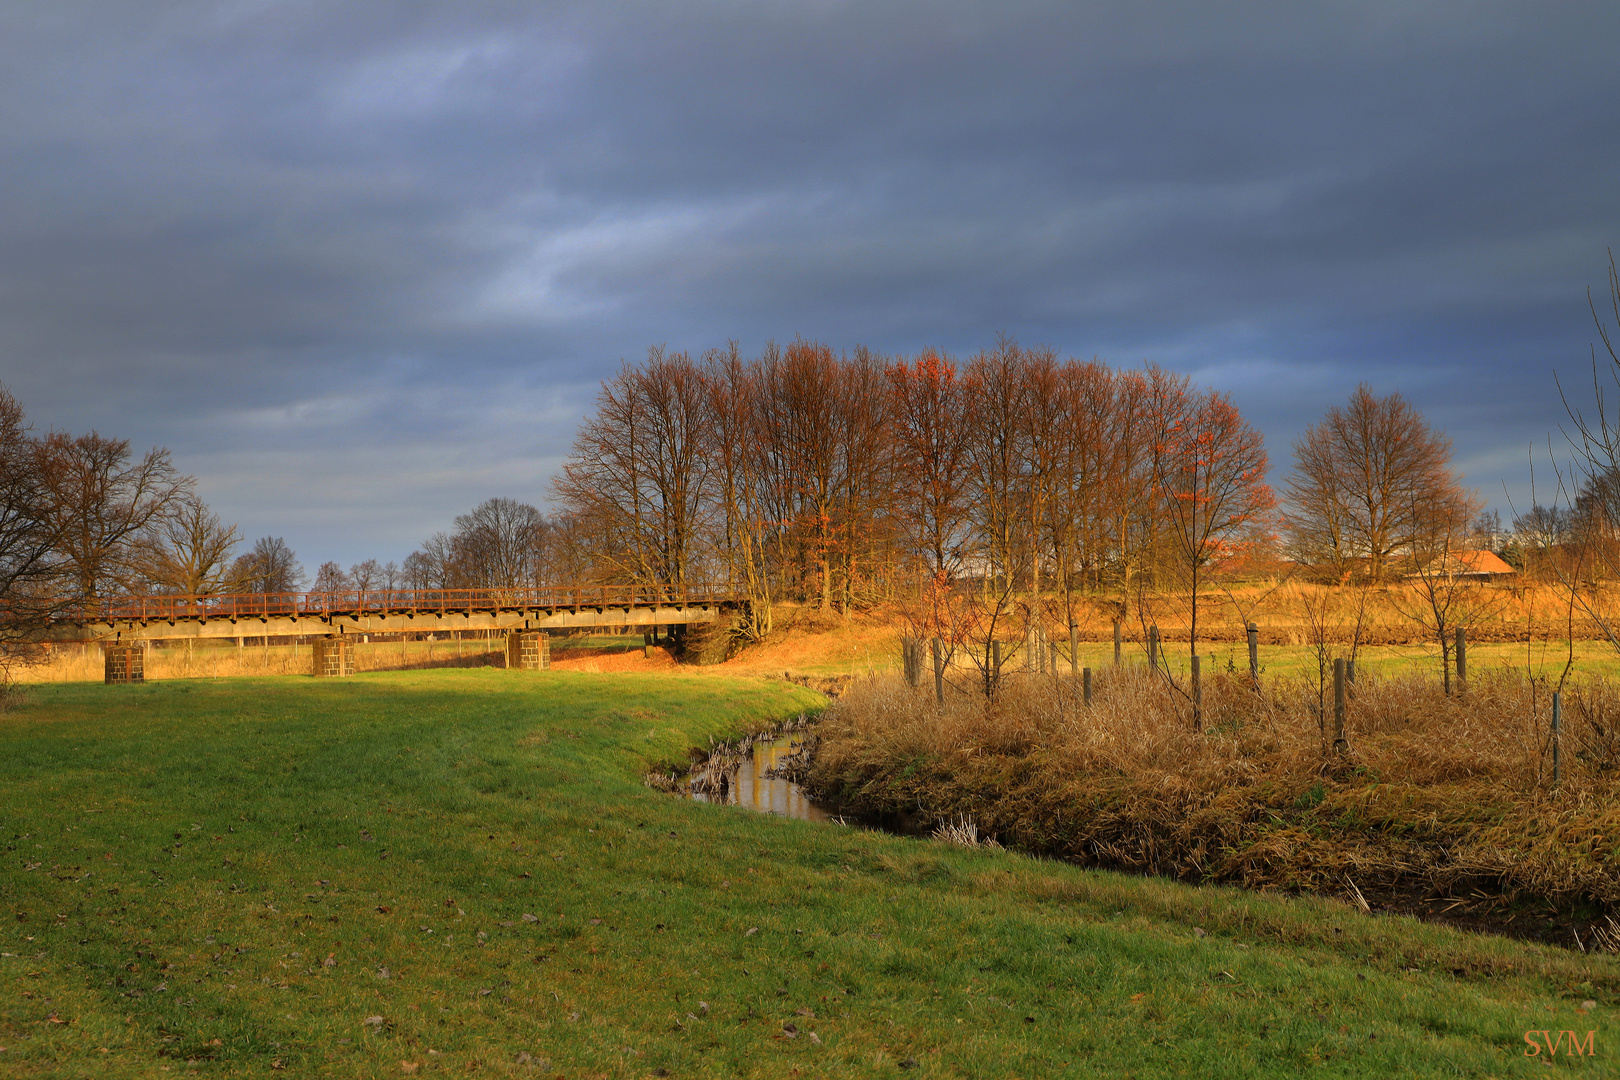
[(748, 778)]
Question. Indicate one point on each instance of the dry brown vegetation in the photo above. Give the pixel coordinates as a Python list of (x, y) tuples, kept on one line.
[(1440, 805), (220, 658)]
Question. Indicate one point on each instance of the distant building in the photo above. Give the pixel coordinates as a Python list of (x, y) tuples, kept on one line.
[(1483, 566)]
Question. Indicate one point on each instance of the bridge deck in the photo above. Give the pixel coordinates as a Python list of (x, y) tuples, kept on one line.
[(391, 611)]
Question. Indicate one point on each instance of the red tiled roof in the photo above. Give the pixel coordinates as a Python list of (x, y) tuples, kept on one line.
[(1483, 562)]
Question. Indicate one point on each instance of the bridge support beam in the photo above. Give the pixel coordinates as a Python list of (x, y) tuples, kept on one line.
[(528, 650), (333, 658), (126, 664)]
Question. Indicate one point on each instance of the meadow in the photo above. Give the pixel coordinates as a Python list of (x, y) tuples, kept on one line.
[(461, 872)]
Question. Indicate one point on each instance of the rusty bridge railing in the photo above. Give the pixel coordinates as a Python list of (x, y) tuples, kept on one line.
[(358, 602)]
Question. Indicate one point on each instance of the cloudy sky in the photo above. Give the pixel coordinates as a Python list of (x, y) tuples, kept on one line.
[(363, 265)]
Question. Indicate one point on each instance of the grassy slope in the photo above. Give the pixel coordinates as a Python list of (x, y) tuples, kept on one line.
[(462, 800)]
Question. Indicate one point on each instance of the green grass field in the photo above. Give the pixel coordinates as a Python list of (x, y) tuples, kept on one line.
[(459, 872)]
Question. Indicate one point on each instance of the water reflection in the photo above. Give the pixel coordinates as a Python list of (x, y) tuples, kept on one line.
[(751, 787)]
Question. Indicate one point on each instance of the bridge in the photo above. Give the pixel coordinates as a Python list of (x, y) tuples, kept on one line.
[(390, 611)]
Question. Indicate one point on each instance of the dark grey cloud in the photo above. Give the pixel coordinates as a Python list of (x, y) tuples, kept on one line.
[(362, 265)]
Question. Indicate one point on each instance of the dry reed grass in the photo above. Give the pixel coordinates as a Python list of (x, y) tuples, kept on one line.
[(86, 663), (1445, 799)]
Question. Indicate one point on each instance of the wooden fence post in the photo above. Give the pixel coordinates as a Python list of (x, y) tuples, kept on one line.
[(1117, 640), (1462, 660), (1074, 648), (1339, 745), (1556, 718), (1087, 684), (1153, 647), (939, 672), (995, 667), (1197, 695), (1254, 655)]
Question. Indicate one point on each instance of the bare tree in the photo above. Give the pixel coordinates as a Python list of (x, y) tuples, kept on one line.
[(931, 458), (796, 409), (1209, 468), (864, 496), (432, 566), (1444, 597), (571, 556), (1369, 479), (102, 500), (366, 576), (743, 529), (1542, 527), (270, 567), (640, 472), (330, 578), (29, 570), (1590, 486), (1076, 517), (1129, 520), (186, 550), (500, 545), (997, 417)]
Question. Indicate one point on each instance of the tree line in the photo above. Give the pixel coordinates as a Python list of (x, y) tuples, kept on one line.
[(847, 478)]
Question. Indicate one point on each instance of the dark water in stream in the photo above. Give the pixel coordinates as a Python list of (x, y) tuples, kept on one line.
[(751, 787)]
